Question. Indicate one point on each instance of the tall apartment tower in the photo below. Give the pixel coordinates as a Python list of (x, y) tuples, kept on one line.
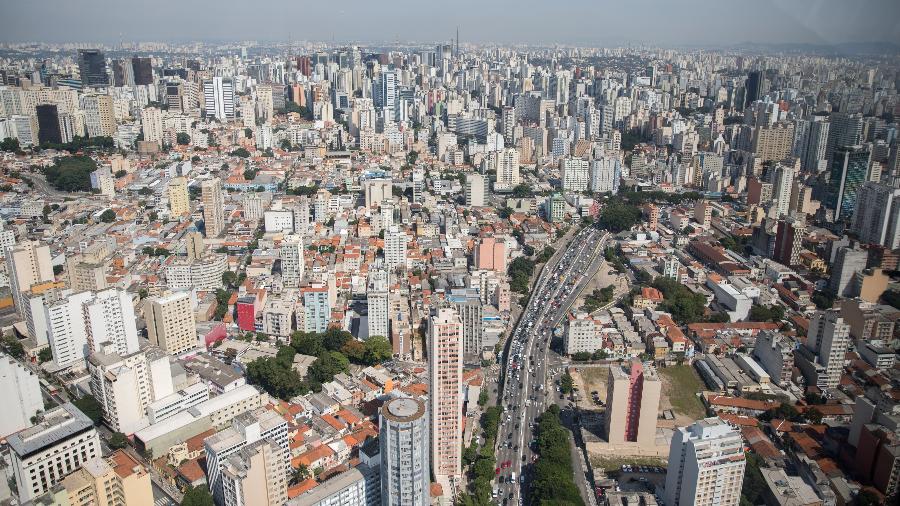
[(218, 95), (213, 206), (876, 219), (179, 201), (67, 331), (829, 339), (632, 404), (395, 248), (45, 453), (99, 118), (403, 437), (508, 168), (110, 319), (27, 264), (445, 353), (142, 68), (255, 475), (292, 260), (92, 67), (378, 298), (706, 465), (21, 391), (170, 322), (476, 185), (849, 170), (151, 124)]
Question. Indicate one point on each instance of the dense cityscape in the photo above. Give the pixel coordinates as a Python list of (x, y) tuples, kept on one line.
[(448, 273)]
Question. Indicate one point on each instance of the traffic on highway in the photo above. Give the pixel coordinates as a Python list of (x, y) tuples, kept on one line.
[(526, 392)]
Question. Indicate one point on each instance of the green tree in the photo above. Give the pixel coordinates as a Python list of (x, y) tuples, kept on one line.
[(10, 144), (566, 383), (617, 216), (182, 139), (45, 355), (300, 473), (90, 407), (197, 496), (70, 173), (12, 347), (108, 216), (241, 152), (377, 350), (117, 441)]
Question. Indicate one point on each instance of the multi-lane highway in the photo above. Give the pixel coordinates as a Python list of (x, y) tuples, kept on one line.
[(526, 391)]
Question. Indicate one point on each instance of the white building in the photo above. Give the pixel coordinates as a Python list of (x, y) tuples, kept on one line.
[(403, 437), (476, 188), (278, 220), (68, 331), (20, 389), (706, 465), (126, 385), (292, 260), (110, 320), (218, 94), (44, 454), (575, 174), (395, 248), (377, 296), (582, 335)]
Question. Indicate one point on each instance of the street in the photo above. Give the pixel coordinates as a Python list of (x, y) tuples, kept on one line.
[(527, 383)]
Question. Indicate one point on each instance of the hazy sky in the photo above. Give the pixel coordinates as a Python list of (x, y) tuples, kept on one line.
[(663, 22)]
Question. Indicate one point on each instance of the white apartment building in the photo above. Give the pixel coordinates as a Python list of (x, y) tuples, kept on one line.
[(170, 322), (395, 248), (20, 389), (292, 260), (110, 320), (43, 454), (203, 273), (125, 386), (706, 465), (583, 335), (377, 296), (575, 174)]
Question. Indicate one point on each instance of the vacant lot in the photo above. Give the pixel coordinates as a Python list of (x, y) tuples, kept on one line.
[(680, 387), (612, 463), (594, 379)]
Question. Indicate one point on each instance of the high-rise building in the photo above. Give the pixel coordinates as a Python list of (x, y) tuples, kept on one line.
[(218, 94), (45, 453), (773, 142), (706, 465), (122, 72), (92, 68), (508, 168), (847, 262), (48, 124), (292, 260), (829, 340), (849, 170), (575, 173), (27, 264), (845, 131), (403, 437), (813, 152), (142, 69), (99, 118), (151, 123), (632, 404), (876, 219), (213, 207), (170, 322), (126, 385), (395, 248), (110, 320), (179, 199), (445, 354), (753, 87), (605, 174), (385, 93), (378, 299), (467, 302), (782, 185), (256, 475), (476, 188), (789, 239), (67, 330), (378, 191), (194, 245), (21, 391), (316, 309), (246, 429)]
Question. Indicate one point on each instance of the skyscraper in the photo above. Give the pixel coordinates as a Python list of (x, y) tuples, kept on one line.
[(27, 264), (632, 404), (378, 299), (445, 353), (152, 125), (99, 118), (403, 437), (292, 261), (829, 340), (170, 322), (706, 465), (847, 262), (507, 168), (123, 73), (218, 94), (316, 309), (753, 87), (849, 170), (92, 67), (575, 174), (142, 69), (467, 303), (395, 248), (814, 150), (876, 219), (179, 200), (48, 124), (110, 319), (476, 185), (782, 185), (213, 207)]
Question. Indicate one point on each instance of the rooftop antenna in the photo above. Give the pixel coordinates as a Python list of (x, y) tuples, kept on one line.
[(457, 42)]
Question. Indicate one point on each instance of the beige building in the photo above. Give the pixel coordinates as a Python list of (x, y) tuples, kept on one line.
[(179, 202), (86, 273), (445, 355), (170, 322), (194, 245), (119, 480), (27, 264), (256, 475), (773, 142), (632, 404), (99, 118), (213, 207), (706, 465), (151, 123)]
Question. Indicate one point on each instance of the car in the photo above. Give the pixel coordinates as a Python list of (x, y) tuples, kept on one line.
[(497, 471)]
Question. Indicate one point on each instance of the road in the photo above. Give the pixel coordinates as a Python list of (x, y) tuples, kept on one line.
[(527, 383)]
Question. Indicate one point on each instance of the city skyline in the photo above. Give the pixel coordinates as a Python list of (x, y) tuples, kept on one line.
[(691, 23)]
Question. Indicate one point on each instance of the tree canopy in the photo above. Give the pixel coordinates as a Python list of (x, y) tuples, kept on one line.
[(617, 216), (71, 173)]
